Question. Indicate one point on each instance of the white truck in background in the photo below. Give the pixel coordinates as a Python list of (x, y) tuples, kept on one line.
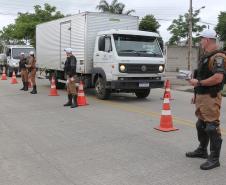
[(13, 56), (2, 61), (112, 55)]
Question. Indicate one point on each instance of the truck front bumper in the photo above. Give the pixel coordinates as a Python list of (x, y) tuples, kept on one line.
[(135, 84)]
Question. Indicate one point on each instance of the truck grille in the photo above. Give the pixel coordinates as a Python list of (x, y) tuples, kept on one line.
[(141, 68)]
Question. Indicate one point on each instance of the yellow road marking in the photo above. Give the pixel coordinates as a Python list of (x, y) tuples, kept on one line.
[(130, 108)]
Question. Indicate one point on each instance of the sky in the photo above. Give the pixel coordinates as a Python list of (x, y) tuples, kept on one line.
[(163, 10)]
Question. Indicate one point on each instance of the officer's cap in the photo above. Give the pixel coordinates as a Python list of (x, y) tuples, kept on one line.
[(208, 33), (31, 53), (68, 50)]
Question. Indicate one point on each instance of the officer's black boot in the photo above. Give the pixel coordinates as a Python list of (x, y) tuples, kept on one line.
[(26, 86), (201, 151), (22, 89), (215, 147), (34, 91), (74, 101), (69, 103)]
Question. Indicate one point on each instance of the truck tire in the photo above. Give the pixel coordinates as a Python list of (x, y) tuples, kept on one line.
[(9, 74), (101, 92), (143, 93), (60, 85)]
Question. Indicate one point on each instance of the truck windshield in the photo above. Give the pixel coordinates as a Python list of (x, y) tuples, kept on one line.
[(17, 51), (136, 45)]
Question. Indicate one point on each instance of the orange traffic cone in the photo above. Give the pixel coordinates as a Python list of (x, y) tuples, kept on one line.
[(81, 99), (4, 75), (13, 79), (166, 121), (53, 90), (167, 90)]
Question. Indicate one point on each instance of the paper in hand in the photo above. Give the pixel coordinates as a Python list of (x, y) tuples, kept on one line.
[(184, 75)]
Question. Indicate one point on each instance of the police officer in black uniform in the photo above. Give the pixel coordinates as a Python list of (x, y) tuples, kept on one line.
[(23, 71), (70, 71), (208, 83)]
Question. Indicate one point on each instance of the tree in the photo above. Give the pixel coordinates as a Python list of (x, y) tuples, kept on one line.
[(221, 27), (25, 23), (179, 27), (114, 7), (8, 36), (149, 23), (7, 33)]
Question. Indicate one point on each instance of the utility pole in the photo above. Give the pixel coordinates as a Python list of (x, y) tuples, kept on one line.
[(190, 37)]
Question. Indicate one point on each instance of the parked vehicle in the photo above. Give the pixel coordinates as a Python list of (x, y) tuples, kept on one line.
[(112, 55), (2, 61), (13, 56)]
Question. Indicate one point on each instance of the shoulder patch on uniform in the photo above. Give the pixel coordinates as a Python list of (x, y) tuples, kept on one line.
[(219, 61)]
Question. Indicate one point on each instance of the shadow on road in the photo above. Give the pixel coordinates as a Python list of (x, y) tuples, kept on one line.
[(119, 97)]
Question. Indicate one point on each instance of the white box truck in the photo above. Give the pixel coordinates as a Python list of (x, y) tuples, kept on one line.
[(13, 56), (112, 55)]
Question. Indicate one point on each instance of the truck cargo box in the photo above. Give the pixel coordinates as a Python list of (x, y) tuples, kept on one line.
[(77, 32)]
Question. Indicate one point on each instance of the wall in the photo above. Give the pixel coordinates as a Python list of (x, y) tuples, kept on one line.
[(177, 58)]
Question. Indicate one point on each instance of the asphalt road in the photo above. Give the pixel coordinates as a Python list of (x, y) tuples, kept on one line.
[(105, 143)]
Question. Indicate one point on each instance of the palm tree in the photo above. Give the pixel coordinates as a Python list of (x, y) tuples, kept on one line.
[(114, 7)]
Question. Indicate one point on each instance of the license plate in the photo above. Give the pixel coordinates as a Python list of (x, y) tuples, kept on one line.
[(143, 84)]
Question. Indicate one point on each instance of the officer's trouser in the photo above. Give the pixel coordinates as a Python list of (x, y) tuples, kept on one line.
[(71, 86), (208, 108), (24, 75), (32, 75)]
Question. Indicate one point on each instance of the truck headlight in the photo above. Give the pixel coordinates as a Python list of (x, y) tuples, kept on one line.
[(122, 68), (161, 68)]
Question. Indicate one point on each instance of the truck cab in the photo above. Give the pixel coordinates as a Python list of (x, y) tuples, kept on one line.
[(2, 61), (13, 57), (127, 61)]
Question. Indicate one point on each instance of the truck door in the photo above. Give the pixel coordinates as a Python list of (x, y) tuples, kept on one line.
[(103, 56), (65, 40), (8, 54)]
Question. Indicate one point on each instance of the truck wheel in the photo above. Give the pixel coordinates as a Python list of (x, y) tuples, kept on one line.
[(9, 74), (60, 85), (143, 93), (101, 92)]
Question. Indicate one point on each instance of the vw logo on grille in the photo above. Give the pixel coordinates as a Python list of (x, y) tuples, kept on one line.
[(143, 68)]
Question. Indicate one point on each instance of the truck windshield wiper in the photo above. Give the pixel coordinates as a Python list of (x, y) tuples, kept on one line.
[(142, 51), (128, 50), (149, 52)]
